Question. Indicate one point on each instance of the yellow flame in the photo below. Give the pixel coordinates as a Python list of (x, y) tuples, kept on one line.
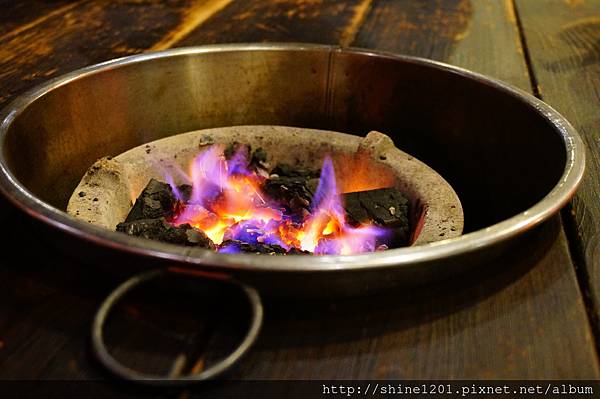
[(216, 232)]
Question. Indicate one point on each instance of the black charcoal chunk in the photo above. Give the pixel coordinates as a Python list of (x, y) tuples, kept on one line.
[(185, 190), (292, 192), (161, 230), (297, 251), (386, 207), (235, 147), (293, 188), (257, 159), (283, 169), (156, 200), (257, 248)]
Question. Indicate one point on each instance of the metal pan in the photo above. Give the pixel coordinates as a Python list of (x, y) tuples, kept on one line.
[(512, 159)]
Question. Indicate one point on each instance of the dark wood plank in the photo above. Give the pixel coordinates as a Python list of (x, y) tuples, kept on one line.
[(483, 36), (43, 39), (463, 328), (322, 21), (85, 33), (479, 35), (563, 38), (18, 16), (49, 299)]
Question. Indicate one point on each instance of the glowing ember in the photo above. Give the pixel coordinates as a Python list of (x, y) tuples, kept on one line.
[(227, 203)]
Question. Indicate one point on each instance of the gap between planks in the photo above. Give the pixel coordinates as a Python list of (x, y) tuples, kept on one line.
[(532, 78), (568, 219), (197, 15), (348, 36)]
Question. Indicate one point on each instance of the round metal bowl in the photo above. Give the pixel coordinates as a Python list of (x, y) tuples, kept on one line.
[(512, 159)]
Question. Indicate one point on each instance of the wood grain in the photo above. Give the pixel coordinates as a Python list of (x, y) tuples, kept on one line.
[(505, 322), (196, 15), (563, 39), (43, 39), (18, 16), (483, 36), (84, 33), (315, 21), (479, 35)]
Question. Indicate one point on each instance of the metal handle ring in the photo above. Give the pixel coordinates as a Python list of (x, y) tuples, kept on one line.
[(213, 371)]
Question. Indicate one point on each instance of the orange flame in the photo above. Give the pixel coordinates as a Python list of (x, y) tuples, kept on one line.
[(227, 202)]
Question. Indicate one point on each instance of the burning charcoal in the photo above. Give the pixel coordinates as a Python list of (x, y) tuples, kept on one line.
[(234, 147), (186, 192), (292, 193), (293, 188), (257, 158), (259, 155), (385, 207), (156, 200), (246, 230), (160, 230), (296, 251), (235, 246)]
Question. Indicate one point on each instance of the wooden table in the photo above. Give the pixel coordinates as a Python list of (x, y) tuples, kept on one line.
[(531, 315)]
